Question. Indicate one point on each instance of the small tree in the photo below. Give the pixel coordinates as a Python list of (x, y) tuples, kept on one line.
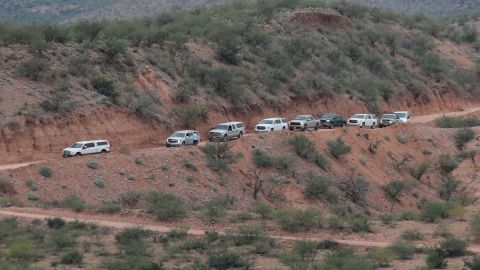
[(105, 87), (393, 190), (337, 148), (355, 187), (449, 187), (420, 170), (219, 156), (463, 136), (447, 164), (33, 68), (261, 160)]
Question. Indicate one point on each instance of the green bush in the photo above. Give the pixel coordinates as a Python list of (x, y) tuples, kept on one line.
[(436, 259), (383, 257), (190, 115), (165, 206), (262, 159), (474, 228), (294, 220), (356, 188), (55, 223), (45, 172), (306, 149), (473, 264), (247, 235), (110, 207), (72, 257), (32, 196), (100, 182), (393, 190), (225, 261), (30, 182), (33, 68), (337, 148), (447, 164), (412, 235), (6, 186), (433, 211), (61, 239), (132, 242), (220, 156), (265, 210), (130, 198), (456, 122), (449, 187), (454, 247), (74, 203), (403, 250), (346, 259), (359, 223), (305, 249), (420, 170), (463, 136), (92, 165), (216, 208), (22, 249), (104, 87), (402, 138), (113, 47)]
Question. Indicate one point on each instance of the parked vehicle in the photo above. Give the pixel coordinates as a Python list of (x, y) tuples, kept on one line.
[(183, 137), (226, 131), (404, 116), (87, 147), (271, 124), (363, 120), (332, 120), (388, 119), (304, 122)]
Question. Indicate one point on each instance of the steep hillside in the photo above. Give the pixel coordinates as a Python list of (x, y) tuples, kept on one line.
[(239, 61), (430, 7)]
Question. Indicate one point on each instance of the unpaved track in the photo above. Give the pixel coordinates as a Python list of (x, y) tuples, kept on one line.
[(16, 166), (200, 232)]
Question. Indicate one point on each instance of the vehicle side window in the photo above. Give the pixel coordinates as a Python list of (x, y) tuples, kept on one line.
[(277, 122), (240, 125), (284, 120), (369, 117), (189, 134), (101, 143), (230, 128), (88, 145)]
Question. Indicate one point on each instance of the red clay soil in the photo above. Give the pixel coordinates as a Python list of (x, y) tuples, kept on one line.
[(319, 17)]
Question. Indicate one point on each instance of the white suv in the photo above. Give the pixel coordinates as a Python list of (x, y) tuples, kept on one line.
[(363, 120), (271, 124), (226, 131), (404, 117), (87, 147)]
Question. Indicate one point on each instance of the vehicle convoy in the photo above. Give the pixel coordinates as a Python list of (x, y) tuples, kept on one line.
[(332, 120), (388, 119), (87, 147), (226, 131), (271, 124), (304, 122), (183, 137), (404, 117), (363, 120)]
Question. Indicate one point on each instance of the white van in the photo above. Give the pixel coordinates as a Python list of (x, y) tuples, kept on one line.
[(87, 147)]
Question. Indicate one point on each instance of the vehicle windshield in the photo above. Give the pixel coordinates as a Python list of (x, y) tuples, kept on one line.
[(389, 116), (402, 115), (266, 122), (222, 127), (178, 134), (76, 145), (328, 115), (301, 117), (358, 116)]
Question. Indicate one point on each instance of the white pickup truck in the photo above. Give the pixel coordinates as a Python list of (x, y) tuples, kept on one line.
[(304, 122)]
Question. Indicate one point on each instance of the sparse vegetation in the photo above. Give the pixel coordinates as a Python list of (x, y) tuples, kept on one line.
[(45, 172), (294, 220), (463, 136), (433, 211), (306, 149), (92, 164), (165, 206), (457, 122), (219, 156), (74, 203), (337, 148), (420, 170)]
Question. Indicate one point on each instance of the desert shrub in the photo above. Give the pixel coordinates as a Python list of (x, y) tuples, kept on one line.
[(447, 164), (403, 250), (33, 68), (262, 159), (100, 182), (30, 182), (110, 207), (165, 206), (382, 257), (59, 101), (474, 228), (433, 65), (185, 91), (131, 178), (74, 203), (463, 136), (408, 215), (433, 211), (22, 249), (32, 196), (305, 249), (294, 220), (55, 223), (346, 259), (130, 198), (61, 239), (92, 164), (411, 235), (225, 261), (190, 115), (318, 187), (132, 242), (387, 219), (6, 186), (227, 52), (265, 210), (306, 149), (420, 170), (393, 190), (436, 259), (449, 187), (113, 47), (45, 172), (337, 148), (402, 138), (356, 188), (216, 208), (247, 235), (219, 156), (104, 87), (456, 122), (467, 155), (72, 257), (454, 247), (473, 264), (358, 223)]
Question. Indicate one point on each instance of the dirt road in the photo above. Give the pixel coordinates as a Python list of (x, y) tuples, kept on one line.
[(6, 212)]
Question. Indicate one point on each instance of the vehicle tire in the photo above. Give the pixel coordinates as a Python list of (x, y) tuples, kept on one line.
[(103, 151), (240, 134), (271, 130), (373, 125), (225, 137), (305, 128), (331, 126), (363, 125), (78, 154), (317, 126), (183, 143), (284, 128)]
